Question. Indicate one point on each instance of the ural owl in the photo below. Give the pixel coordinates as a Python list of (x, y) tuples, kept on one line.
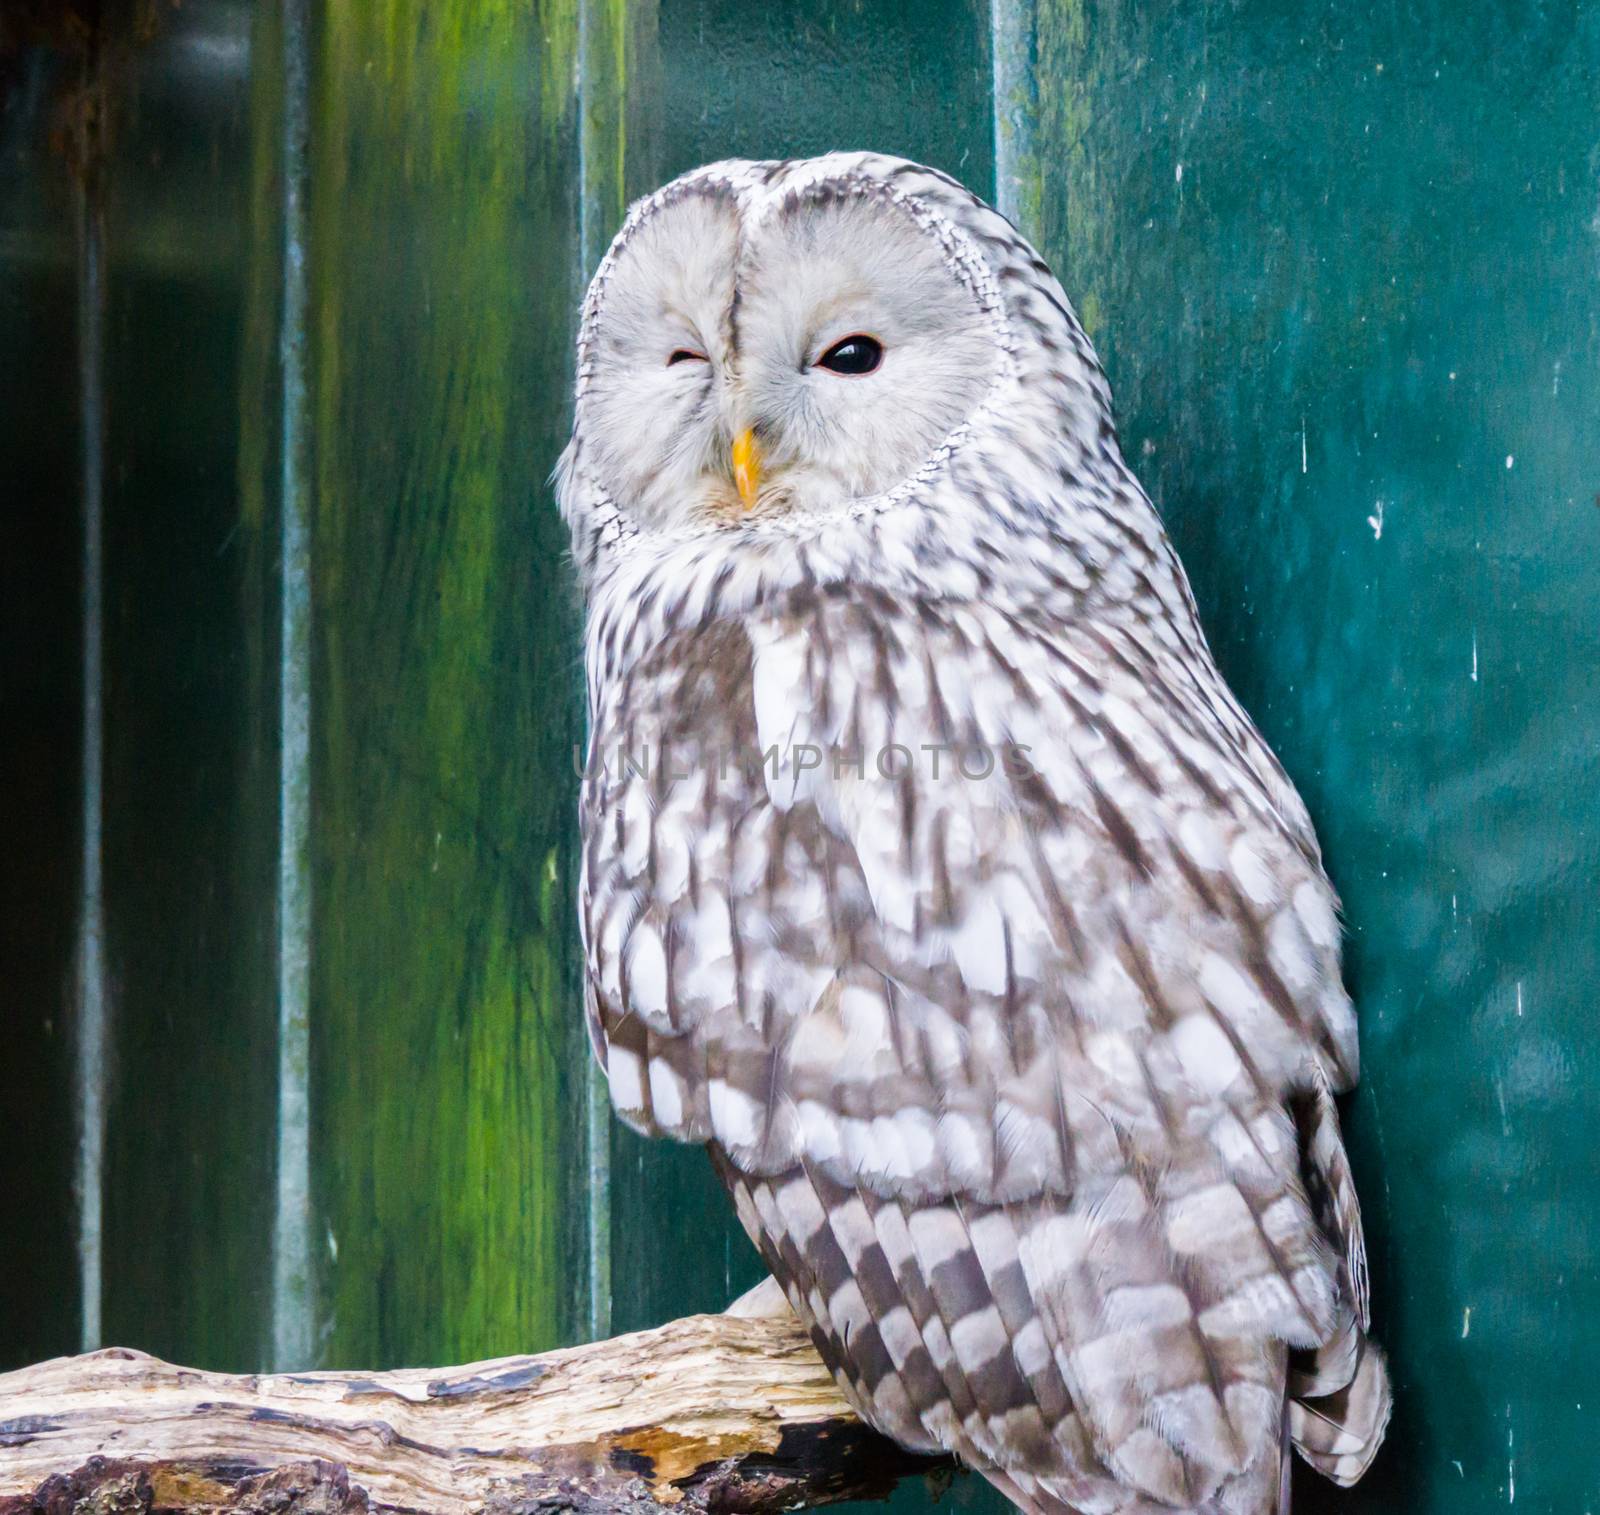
[(932, 876)]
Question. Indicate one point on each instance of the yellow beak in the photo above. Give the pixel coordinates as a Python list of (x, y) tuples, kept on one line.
[(747, 466)]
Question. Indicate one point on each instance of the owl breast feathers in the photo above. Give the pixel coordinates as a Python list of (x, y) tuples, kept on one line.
[(932, 877)]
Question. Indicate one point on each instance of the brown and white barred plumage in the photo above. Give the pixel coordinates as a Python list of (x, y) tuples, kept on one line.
[(1022, 1083)]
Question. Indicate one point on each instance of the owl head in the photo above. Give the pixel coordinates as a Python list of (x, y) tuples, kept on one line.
[(773, 343), (840, 372)]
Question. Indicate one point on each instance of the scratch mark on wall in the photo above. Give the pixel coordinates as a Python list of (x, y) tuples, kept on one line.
[(590, 86), (92, 1008), (1511, 1461), (292, 1333)]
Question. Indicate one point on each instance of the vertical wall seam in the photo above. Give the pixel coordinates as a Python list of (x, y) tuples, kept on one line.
[(596, 1095), (580, 92), (91, 989), (292, 1332), (1011, 47)]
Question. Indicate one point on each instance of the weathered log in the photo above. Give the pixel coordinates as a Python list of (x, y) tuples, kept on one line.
[(712, 1413)]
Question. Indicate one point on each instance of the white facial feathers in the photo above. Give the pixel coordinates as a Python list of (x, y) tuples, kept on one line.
[(713, 313), (825, 269), (656, 430)]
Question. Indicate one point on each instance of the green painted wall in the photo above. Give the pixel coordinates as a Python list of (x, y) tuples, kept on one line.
[(446, 1056), (1342, 265)]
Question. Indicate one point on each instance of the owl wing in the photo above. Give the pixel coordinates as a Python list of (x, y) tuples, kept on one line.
[(990, 956)]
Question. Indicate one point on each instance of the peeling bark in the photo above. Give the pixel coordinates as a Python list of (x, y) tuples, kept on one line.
[(712, 1413)]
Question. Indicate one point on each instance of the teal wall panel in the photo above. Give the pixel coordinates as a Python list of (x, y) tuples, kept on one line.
[(798, 77), (1343, 270)]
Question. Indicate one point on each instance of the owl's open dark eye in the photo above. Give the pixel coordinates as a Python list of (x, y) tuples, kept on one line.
[(853, 355), (685, 355)]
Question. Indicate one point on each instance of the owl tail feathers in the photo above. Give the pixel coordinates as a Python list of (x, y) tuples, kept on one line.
[(1339, 1433), (1339, 1395)]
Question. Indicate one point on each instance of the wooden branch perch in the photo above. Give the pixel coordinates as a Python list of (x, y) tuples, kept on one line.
[(712, 1413)]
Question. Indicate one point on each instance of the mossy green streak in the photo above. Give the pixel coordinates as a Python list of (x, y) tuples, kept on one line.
[(447, 1039)]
